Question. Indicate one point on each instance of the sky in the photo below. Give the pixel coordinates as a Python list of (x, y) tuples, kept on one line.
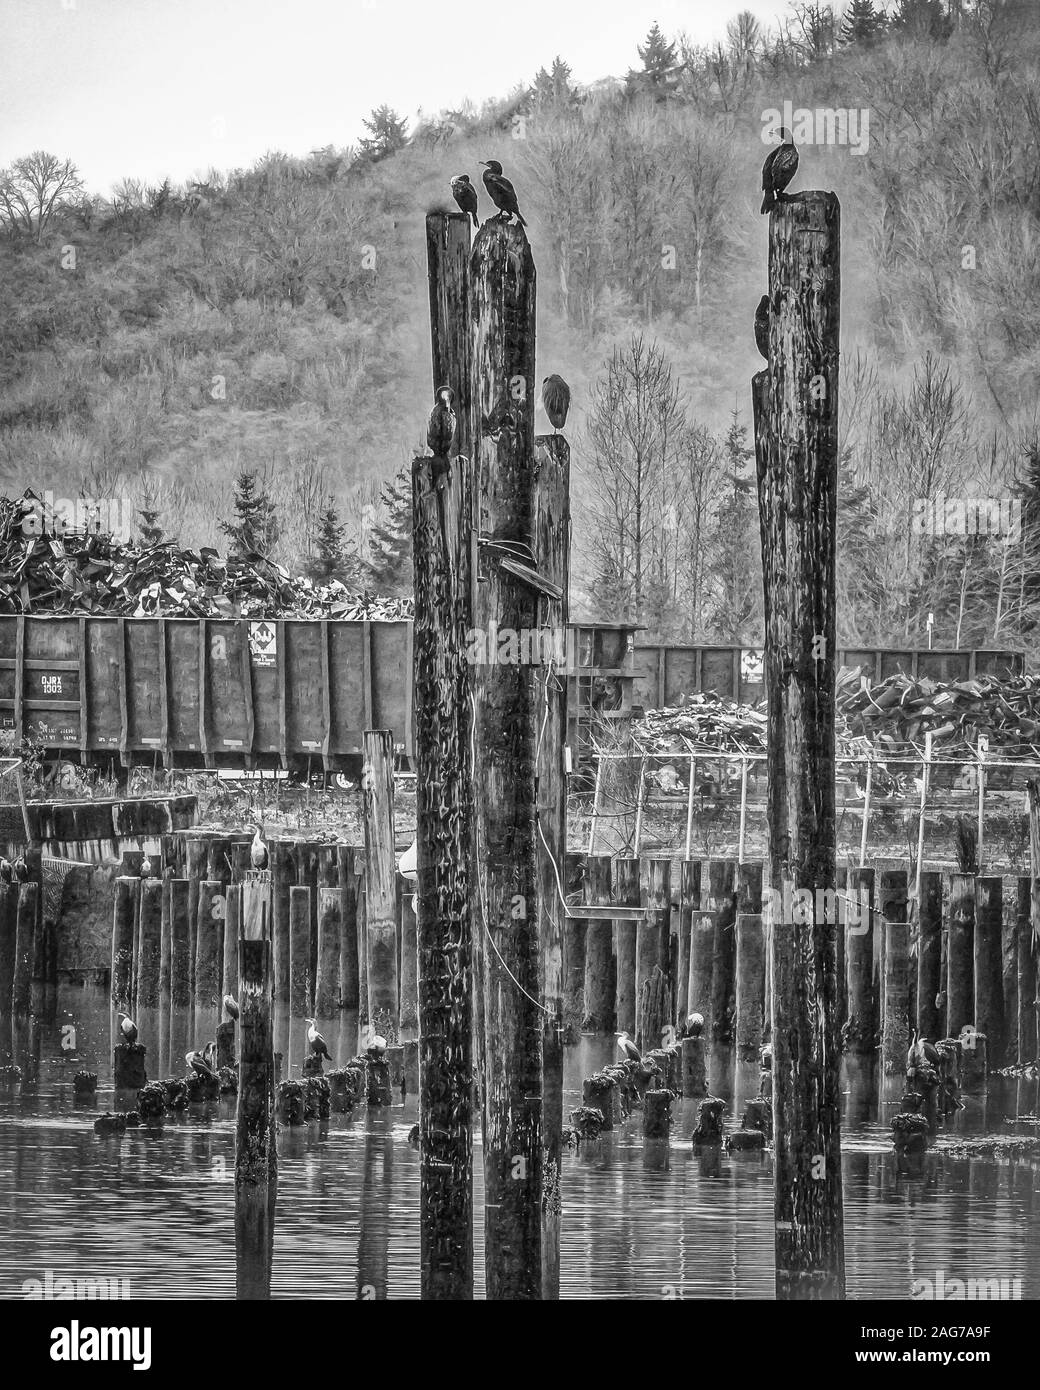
[(150, 88)]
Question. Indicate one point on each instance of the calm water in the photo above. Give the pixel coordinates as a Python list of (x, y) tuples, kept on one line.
[(156, 1209)]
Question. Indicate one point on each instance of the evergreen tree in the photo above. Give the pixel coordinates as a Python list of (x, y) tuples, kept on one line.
[(387, 133), (657, 54), (334, 556), (254, 530), (390, 540), (923, 18), (861, 23), (553, 88)]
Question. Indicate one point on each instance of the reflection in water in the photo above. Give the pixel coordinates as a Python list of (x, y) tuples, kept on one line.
[(157, 1207)]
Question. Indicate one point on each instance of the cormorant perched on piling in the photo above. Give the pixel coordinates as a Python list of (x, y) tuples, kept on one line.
[(465, 195), (628, 1049), (778, 170), (762, 326), (501, 191), (5, 870), (146, 867), (694, 1025), (440, 429), (127, 1027), (21, 870), (197, 1062), (376, 1049), (258, 850), (317, 1043), (556, 397), (231, 1006)]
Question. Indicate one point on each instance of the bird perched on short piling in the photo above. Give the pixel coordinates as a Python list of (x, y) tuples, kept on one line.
[(762, 326), (694, 1025), (231, 1006), (627, 1048), (556, 397), (127, 1027), (5, 870), (440, 429), (778, 170), (501, 191), (376, 1049), (316, 1042), (465, 195), (197, 1062), (258, 850), (922, 1053), (21, 870), (146, 867)]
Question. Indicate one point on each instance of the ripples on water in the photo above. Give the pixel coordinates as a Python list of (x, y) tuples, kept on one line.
[(157, 1209)]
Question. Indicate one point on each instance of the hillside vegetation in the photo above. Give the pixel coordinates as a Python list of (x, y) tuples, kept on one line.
[(162, 341)]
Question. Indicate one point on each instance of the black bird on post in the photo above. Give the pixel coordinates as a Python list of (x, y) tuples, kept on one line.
[(440, 430), (762, 326), (465, 195), (501, 191), (778, 170), (556, 397)]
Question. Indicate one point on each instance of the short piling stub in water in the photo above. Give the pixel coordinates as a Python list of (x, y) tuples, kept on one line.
[(796, 443)]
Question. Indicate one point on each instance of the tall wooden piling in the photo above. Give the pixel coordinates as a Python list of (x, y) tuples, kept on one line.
[(507, 715), (299, 951), (380, 874), (283, 878), (1028, 1042), (550, 548), (8, 943), (895, 1035), (123, 912), (326, 984), (180, 942), (573, 951), (149, 945), (256, 1160), (25, 947), (652, 948), (166, 939), (702, 950), (722, 905), (209, 942), (987, 966), (599, 984), (348, 917), (860, 1035), (626, 894), (197, 861), (750, 962), (443, 497), (960, 954), (796, 442), (232, 929), (929, 956)]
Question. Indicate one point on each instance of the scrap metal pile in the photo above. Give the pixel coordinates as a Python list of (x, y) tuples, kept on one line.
[(886, 719), (49, 570)]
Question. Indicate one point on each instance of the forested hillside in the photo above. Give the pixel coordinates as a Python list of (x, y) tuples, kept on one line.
[(159, 342)]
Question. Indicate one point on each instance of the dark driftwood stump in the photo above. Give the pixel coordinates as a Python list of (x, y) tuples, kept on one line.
[(128, 1072), (657, 1114)]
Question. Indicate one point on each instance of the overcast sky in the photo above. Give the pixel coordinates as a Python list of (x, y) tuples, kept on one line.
[(146, 88)]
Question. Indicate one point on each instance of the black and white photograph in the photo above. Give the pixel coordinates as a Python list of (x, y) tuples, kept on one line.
[(519, 669)]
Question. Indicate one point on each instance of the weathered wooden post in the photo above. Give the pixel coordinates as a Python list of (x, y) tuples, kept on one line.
[(283, 879), (929, 955), (750, 962), (348, 913), (232, 929), (8, 933), (166, 939), (895, 1037), (256, 1159), (25, 947), (180, 942), (960, 954), (599, 990), (1028, 1041), (123, 912), (149, 945), (722, 904), (380, 874), (209, 942), (689, 902), (326, 984), (573, 952), (987, 966), (195, 872), (443, 498), (859, 924), (502, 296), (652, 947), (796, 443), (626, 894), (299, 951), (547, 652)]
